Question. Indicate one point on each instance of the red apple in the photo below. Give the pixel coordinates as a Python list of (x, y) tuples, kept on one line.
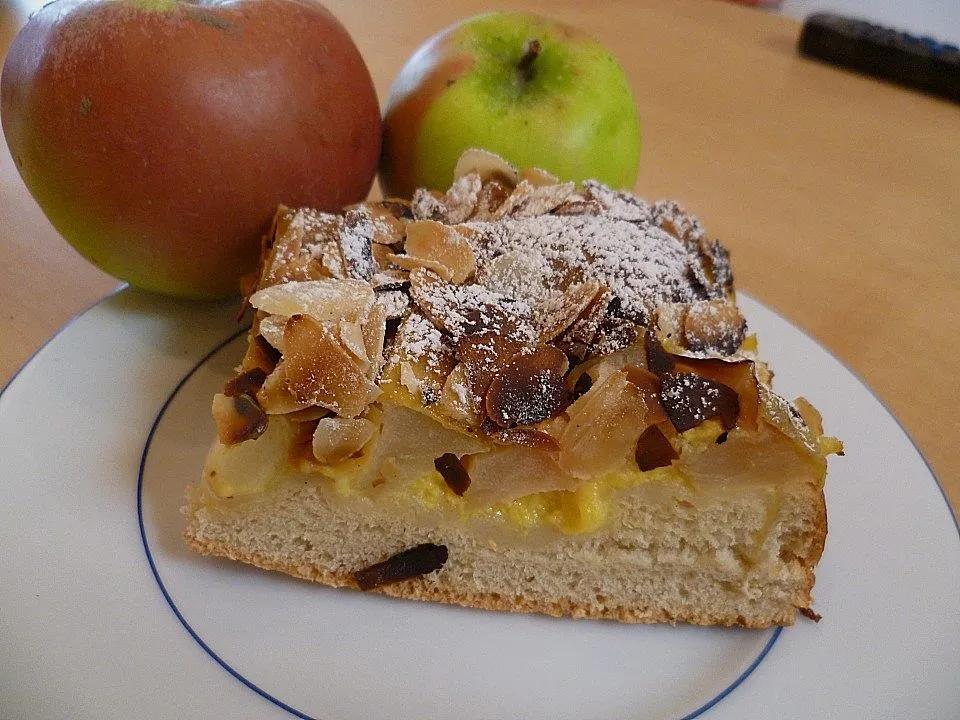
[(158, 136)]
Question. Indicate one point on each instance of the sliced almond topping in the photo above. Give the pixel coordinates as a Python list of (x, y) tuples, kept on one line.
[(271, 329), (320, 371), (238, 418), (529, 389), (453, 473), (740, 375), (538, 177), (428, 205), (714, 326), (659, 361), (527, 437), (461, 199), (351, 336), (247, 382), (559, 312), (487, 165), (529, 201), (327, 300), (274, 397), (578, 205), (441, 244), (457, 399), (654, 450), (484, 355), (390, 280), (374, 335), (395, 303), (579, 337), (689, 400), (492, 195), (355, 241), (411, 263), (336, 439)]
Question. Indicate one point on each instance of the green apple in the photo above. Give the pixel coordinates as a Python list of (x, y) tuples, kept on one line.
[(535, 91)]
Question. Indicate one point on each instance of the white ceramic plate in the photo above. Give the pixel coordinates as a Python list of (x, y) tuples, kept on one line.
[(105, 614)]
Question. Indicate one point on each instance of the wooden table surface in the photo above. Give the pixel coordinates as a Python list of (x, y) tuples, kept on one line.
[(838, 195)]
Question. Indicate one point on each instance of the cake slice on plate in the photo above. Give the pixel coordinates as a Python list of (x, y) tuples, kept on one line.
[(519, 395)]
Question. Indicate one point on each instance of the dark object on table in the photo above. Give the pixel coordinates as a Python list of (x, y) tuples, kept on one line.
[(921, 63)]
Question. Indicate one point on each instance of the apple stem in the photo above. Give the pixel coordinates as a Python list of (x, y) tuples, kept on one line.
[(525, 66)]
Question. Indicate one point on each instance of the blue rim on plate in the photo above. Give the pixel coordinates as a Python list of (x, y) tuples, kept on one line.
[(293, 711)]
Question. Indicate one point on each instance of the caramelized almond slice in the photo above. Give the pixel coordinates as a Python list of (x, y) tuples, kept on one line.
[(527, 437), (418, 560), (442, 244), (428, 205), (453, 473), (487, 165), (335, 439), (578, 339), (578, 205), (716, 261), (271, 330), (388, 228), (457, 400), (529, 389), (538, 177), (492, 195), (411, 263), (484, 355), (461, 199), (374, 335), (351, 337), (714, 326), (320, 371), (247, 382), (689, 400), (659, 361), (355, 241), (274, 396), (238, 418), (654, 450), (559, 312), (327, 300), (390, 279), (740, 375), (529, 201), (395, 303), (299, 239)]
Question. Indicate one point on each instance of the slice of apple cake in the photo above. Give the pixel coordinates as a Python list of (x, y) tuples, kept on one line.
[(521, 395)]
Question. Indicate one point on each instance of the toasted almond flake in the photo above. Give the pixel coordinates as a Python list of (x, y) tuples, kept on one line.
[(395, 303), (374, 334), (441, 244), (487, 165), (529, 389), (351, 335), (411, 263), (492, 195), (327, 300), (274, 396), (559, 312), (461, 199), (457, 401), (246, 382), (578, 205), (320, 371), (271, 329), (538, 177), (428, 205), (390, 279), (527, 201), (715, 326), (238, 418), (335, 439), (527, 437)]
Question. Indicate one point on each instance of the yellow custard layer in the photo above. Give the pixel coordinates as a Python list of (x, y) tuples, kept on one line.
[(254, 467)]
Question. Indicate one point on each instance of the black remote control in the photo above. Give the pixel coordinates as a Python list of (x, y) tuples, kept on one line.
[(921, 63)]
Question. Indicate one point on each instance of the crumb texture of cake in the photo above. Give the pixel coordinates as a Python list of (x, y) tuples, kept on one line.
[(551, 382)]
